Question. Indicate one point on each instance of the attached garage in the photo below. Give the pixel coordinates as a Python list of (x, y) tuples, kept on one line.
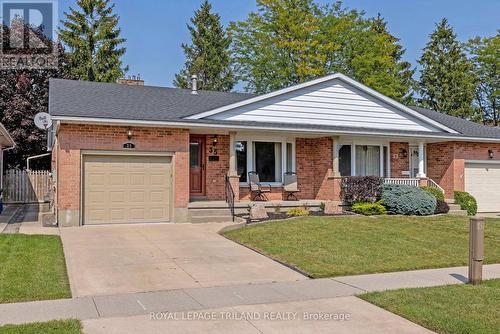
[(126, 189), (482, 180)]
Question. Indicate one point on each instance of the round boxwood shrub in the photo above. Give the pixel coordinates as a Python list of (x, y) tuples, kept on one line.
[(408, 200), (369, 209), (466, 202), (435, 192)]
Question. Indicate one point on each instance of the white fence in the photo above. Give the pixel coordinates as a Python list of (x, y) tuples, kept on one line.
[(405, 181), (21, 186)]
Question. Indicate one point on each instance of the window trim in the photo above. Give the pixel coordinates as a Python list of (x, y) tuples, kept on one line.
[(250, 156), (381, 144)]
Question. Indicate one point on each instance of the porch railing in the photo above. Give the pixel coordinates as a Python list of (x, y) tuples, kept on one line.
[(431, 183), (405, 181), (229, 194)]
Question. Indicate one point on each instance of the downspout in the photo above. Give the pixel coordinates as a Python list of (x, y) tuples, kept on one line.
[(35, 157)]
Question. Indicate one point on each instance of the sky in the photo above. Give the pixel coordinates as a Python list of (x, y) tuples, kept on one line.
[(155, 29)]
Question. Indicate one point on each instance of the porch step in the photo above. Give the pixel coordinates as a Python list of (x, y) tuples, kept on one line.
[(454, 207), (209, 212)]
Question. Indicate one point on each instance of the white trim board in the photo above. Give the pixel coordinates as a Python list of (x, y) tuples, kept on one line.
[(331, 77)]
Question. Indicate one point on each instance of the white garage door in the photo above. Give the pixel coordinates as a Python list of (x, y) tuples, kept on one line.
[(482, 180), (126, 189)]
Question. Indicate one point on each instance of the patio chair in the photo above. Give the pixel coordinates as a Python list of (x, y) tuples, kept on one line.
[(291, 186), (258, 190)]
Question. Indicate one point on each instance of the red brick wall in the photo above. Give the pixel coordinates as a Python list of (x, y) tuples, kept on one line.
[(399, 163), (446, 162), (74, 137), (314, 160), (216, 170)]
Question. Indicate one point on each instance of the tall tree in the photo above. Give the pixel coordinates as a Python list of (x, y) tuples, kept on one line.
[(369, 53), (485, 55), (279, 45), (92, 36), (24, 93), (447, 81), (291, 41), (208, 56)]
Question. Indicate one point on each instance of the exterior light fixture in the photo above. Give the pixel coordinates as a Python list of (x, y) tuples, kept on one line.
[(403, 153), (215, 140), (491, 154), (129, 134)]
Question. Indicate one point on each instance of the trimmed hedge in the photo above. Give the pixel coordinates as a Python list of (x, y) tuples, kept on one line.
[(408, 200), (438, 194), (369, 209), (466, 202), (297, 212), (356, 189), (441, 207)]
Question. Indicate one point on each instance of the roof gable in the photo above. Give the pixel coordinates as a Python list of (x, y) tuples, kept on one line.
[(333, 100)]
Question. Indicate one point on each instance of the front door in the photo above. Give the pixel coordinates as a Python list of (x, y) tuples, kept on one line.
[(197, 165)]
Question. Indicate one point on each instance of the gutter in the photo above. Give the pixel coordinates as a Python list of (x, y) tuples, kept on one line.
[(188, 125)]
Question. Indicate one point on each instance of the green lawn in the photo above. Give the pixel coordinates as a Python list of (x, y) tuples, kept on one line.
[(335, 246), (453, 309), (51, 327), (32, 267)]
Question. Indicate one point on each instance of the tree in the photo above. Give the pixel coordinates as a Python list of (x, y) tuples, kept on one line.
[(368, 53), (280, 45), (208, 56), (447, 81), (93, 39), (485, 55), (291, 41), (24, 93)]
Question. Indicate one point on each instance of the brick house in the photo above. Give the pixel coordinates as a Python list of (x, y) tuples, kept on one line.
[(143, 154)]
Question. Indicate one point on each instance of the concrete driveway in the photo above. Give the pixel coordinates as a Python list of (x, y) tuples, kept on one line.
[(105, 260)]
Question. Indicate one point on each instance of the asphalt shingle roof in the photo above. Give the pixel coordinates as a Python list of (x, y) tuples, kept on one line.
[(116, 101)]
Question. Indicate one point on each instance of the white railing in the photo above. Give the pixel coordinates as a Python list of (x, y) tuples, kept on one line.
[(405, 181), (431, 183)]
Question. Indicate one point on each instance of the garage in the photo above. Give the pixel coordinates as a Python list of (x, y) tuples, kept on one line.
[(482, 180), (126, 189)]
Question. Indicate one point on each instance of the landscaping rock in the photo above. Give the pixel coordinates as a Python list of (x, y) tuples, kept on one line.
[(332, 208), (258, 212)]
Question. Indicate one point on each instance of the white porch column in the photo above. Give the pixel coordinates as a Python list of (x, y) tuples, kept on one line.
[(421, 160), (232, 154), (335, 155)]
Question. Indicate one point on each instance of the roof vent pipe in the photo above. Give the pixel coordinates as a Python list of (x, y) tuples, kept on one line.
[(194, 88)]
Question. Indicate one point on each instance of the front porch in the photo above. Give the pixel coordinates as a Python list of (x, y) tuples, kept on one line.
[(220, 163)]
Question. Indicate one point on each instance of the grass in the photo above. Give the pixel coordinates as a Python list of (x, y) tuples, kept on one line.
[(32, 267), (51, 327), (335, 246), (454, 309)]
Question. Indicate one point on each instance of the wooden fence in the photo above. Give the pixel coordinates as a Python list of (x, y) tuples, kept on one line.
[(21, 186)]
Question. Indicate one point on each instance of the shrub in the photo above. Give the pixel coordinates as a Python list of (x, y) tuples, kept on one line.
[(297, 212), (466, 202), (441, 207), (322, 206), (369, 209), (408, 200), (361, 189), (437, 193)]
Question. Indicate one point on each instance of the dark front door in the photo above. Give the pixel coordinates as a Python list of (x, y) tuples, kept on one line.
[(197, 165)]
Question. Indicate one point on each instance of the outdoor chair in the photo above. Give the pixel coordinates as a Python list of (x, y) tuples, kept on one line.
[(291, 186), (258, 190)]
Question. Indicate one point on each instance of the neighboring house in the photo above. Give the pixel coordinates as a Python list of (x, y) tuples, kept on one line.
[(6, 143), (140, 154)]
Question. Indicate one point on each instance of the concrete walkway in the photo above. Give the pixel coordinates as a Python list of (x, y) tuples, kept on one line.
[(195, 299)]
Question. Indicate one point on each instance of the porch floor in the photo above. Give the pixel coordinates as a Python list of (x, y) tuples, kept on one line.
[(200, 204)]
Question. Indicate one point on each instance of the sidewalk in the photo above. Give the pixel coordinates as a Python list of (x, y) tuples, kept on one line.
[(192, 299)]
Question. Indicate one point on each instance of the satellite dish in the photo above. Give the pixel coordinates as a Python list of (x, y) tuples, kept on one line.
[(43, 120)]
